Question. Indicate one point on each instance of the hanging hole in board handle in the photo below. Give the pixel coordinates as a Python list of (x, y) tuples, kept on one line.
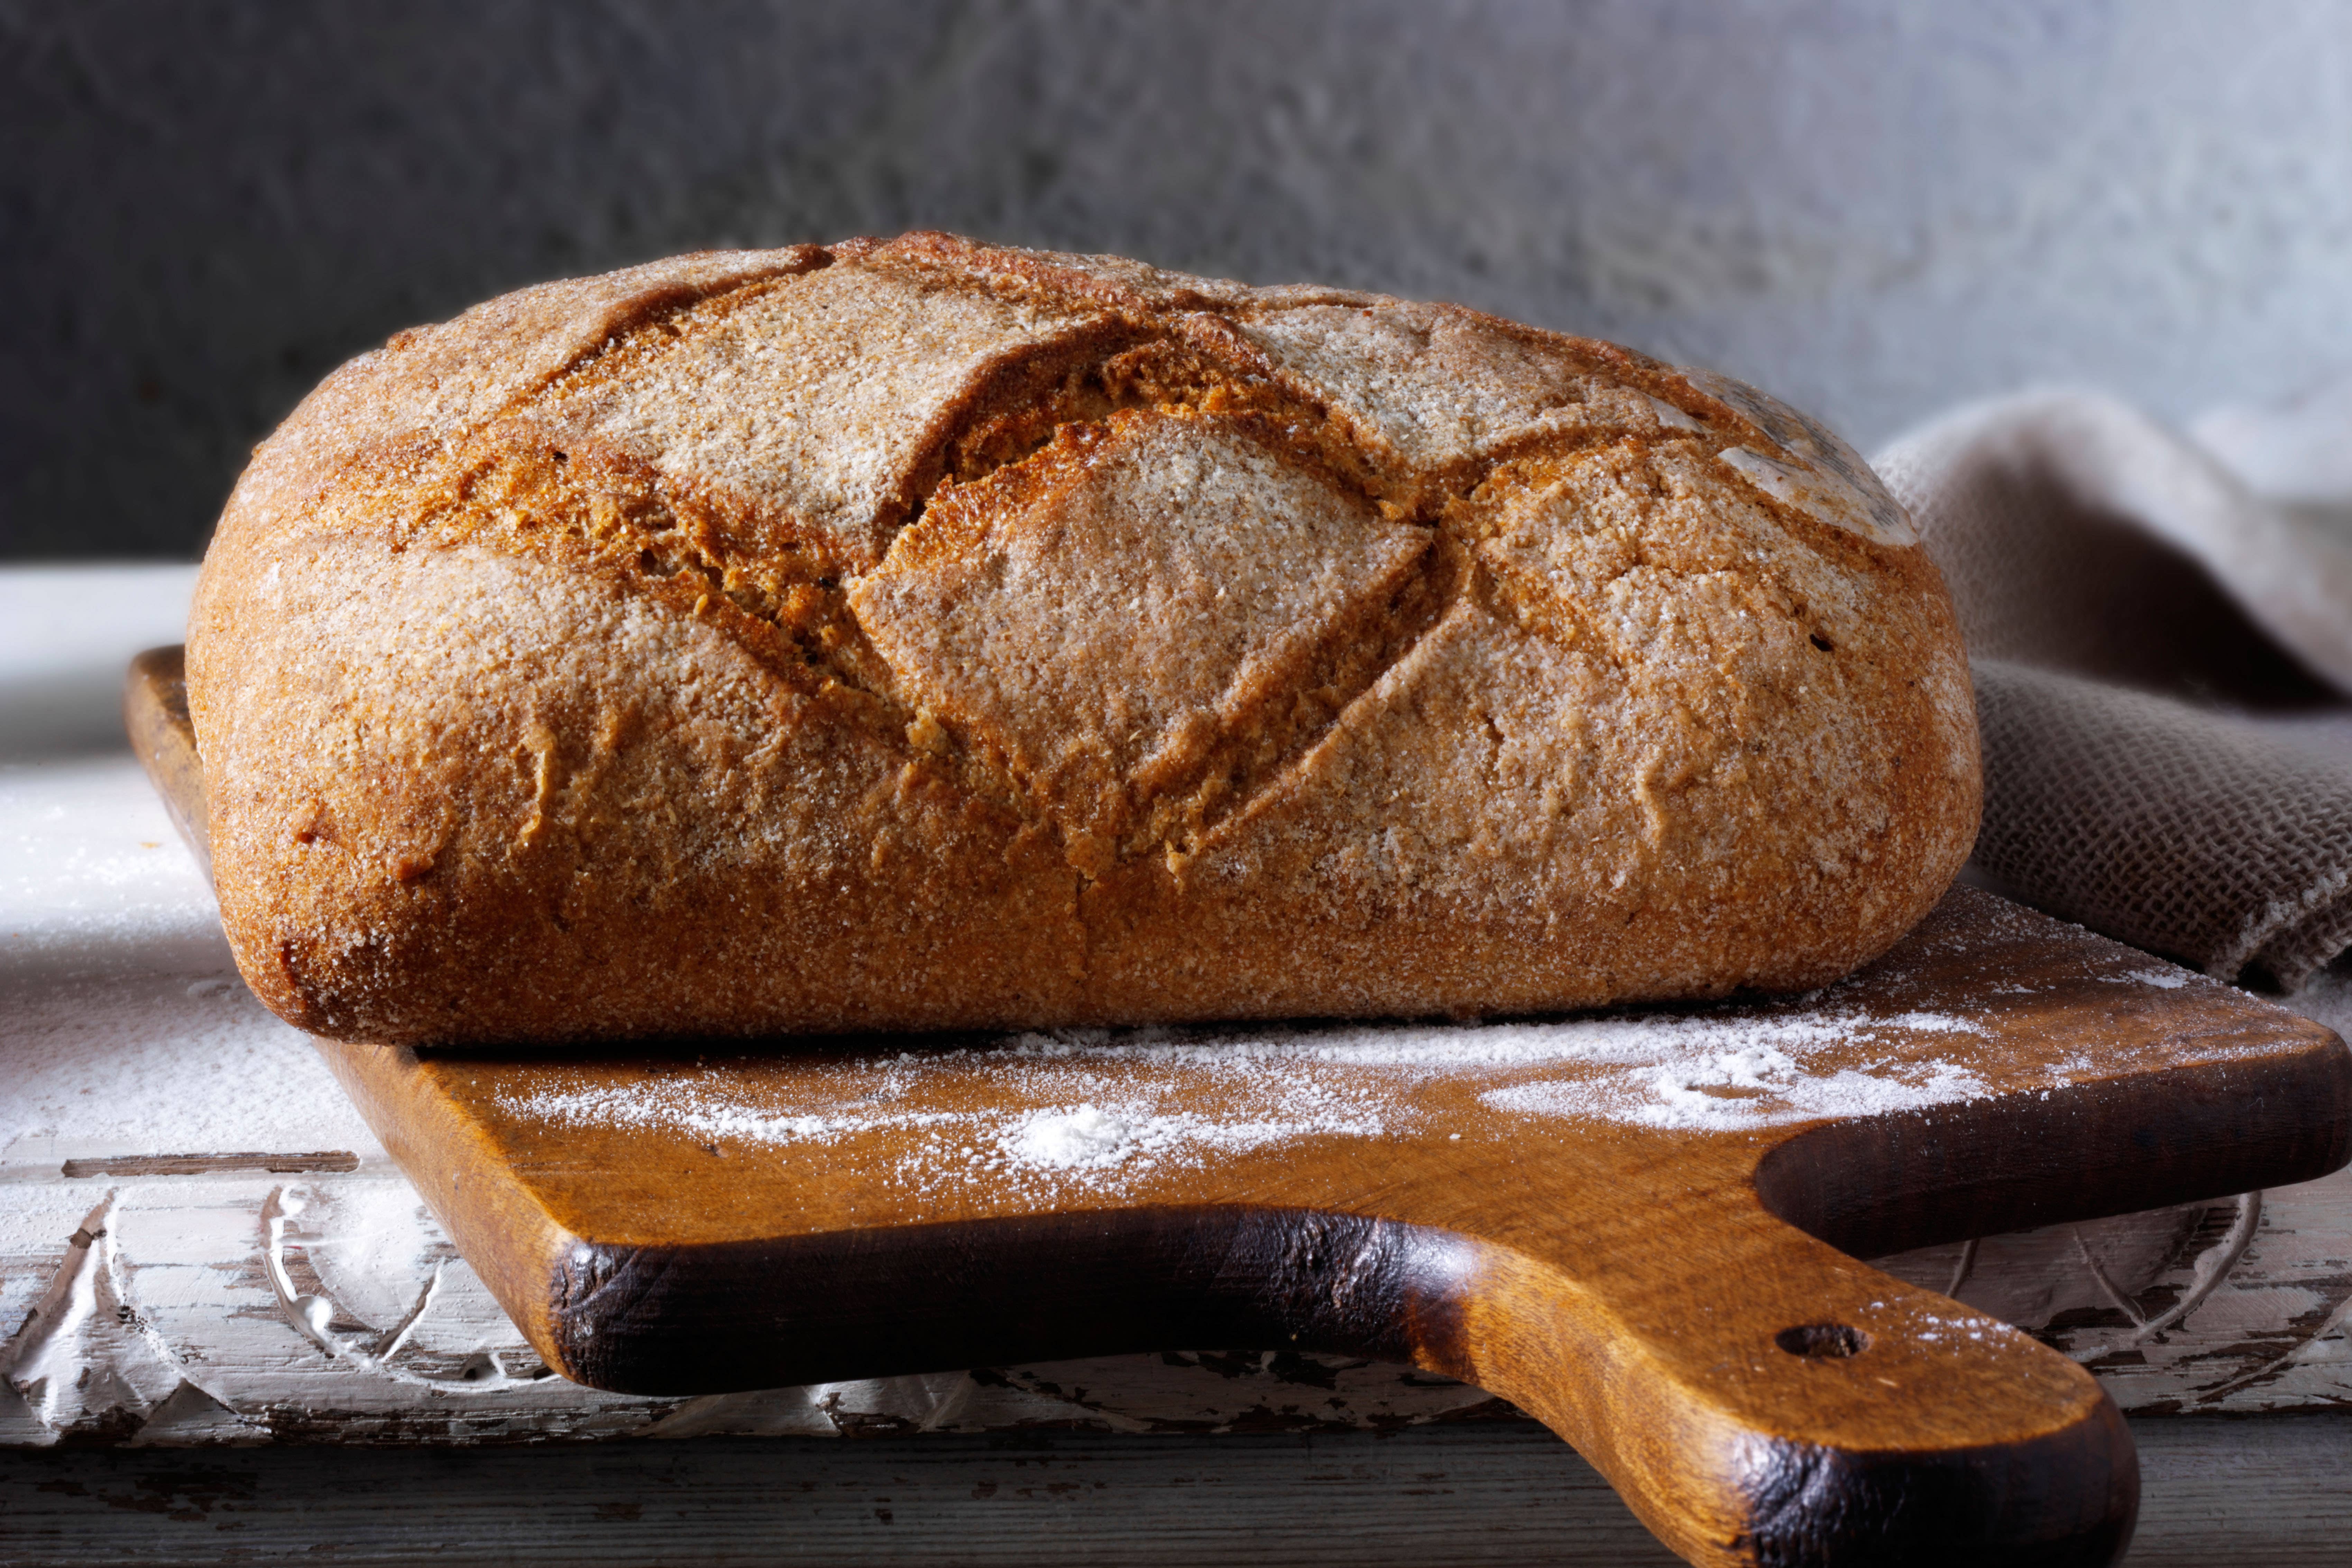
[(1830, 1341)]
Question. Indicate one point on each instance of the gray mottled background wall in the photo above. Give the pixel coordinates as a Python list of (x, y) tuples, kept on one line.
[(1873, 208)]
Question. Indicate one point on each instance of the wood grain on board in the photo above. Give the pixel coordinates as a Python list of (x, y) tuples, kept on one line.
[(1663, 1279)]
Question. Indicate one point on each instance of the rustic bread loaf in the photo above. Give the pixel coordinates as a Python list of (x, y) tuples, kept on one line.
[(922, 634)]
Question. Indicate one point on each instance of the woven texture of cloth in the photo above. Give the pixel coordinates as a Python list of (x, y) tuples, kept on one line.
[(2163, 654)]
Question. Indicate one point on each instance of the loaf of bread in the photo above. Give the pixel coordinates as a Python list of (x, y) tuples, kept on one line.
[(927, 634)]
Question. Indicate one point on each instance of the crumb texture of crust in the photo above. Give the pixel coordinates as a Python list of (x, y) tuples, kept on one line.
[(924, 634)]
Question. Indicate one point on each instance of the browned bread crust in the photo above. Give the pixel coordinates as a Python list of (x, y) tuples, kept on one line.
[(932, 635)]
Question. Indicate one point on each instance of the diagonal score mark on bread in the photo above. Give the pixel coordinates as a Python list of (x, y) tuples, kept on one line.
[(1176, 583), (1136, 597)]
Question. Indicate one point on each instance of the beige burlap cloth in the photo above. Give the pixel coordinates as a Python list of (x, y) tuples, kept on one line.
[(2162, 643)]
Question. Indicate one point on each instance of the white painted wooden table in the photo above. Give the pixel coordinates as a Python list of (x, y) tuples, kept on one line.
[(201, 1245)]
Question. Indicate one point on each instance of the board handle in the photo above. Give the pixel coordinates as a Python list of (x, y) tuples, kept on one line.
[(1758, 1397)]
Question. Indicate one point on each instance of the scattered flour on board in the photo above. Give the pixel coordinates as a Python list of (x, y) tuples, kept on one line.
[(1092, 1106), (1092, 1139)]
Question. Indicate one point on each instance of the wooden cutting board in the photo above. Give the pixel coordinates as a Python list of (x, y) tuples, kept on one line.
[(1637, 1225)]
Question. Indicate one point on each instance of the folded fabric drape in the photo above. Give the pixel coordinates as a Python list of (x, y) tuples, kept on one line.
[(2163, 658)]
